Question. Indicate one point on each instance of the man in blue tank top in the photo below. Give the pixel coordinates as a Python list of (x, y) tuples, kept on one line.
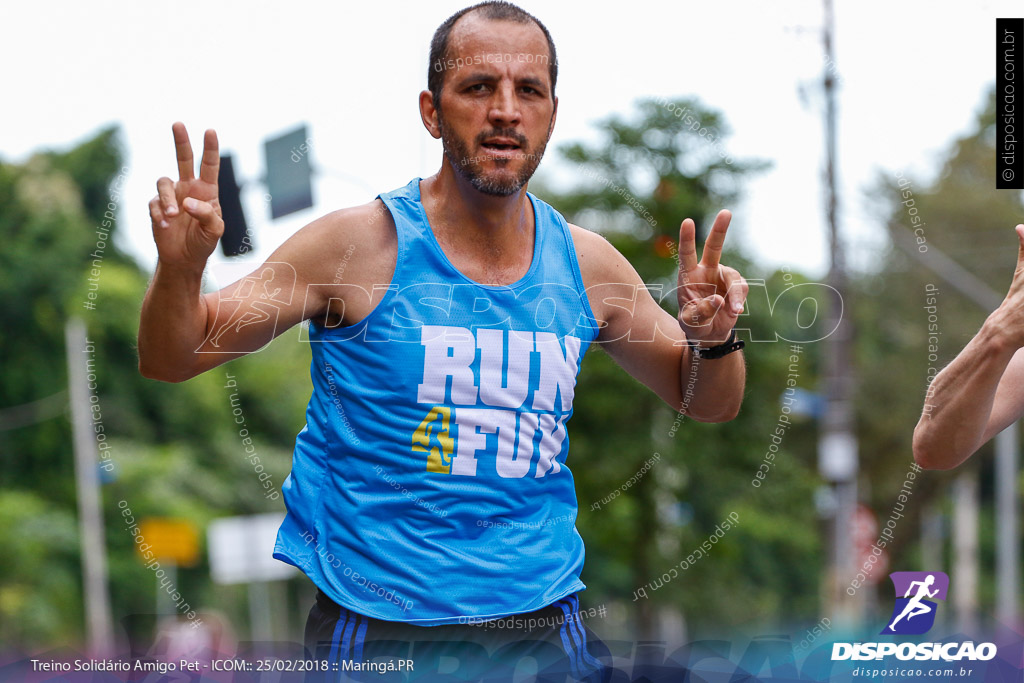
[(430, 498)]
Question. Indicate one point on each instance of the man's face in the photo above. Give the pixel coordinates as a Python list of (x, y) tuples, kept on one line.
[(496, 111)]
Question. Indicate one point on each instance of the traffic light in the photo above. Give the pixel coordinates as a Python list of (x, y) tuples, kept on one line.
[(289, 173), (236, 238)]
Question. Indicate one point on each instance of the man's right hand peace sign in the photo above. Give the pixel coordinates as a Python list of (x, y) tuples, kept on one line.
[(186, 214)]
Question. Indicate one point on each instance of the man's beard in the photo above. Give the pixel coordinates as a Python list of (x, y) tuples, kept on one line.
[(469, 167)]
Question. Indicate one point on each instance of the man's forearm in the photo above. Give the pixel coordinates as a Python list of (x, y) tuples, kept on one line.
[(712, 389), (172, 324), (958, 403)]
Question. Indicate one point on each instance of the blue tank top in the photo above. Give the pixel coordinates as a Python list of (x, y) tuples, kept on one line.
[(430, 482)]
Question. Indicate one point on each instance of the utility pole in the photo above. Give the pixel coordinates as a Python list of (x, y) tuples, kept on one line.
[(965, 550), (837, 444), (1007, 538), (99, 632)]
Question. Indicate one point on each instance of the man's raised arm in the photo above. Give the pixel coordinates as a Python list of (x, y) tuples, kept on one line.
[(183, 332), (981, 392), (651, 345)]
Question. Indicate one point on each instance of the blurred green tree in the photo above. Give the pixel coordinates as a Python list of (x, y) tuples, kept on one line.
[(175, 448)]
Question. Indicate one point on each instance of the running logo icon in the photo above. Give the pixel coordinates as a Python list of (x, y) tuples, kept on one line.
[(439, 457), (914, 612)]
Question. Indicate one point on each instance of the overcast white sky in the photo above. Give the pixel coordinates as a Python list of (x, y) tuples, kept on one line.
[(914, 74)]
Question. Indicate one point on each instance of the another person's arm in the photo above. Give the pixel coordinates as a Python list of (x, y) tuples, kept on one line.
[(981, 392)]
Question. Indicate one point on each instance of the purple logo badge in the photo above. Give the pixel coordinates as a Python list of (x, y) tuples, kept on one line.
[(914, 612)]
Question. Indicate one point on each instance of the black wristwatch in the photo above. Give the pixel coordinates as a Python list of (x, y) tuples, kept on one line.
[(724, 349)]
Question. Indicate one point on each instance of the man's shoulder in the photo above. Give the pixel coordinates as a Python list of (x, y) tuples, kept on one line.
[(362, 237), (600, 262), (369, 221), (366, 226)]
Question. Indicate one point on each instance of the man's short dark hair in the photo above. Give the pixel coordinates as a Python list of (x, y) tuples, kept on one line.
[(495, 10)]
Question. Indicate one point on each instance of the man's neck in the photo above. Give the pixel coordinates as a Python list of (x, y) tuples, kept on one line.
[(481, 224)]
